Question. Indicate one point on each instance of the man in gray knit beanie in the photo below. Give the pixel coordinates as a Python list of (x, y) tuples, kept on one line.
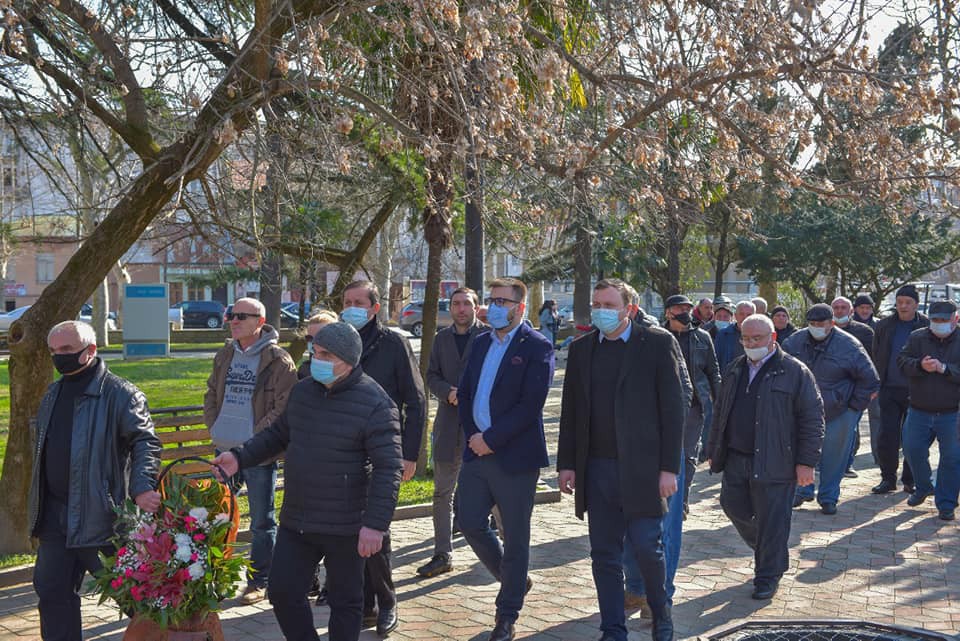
[(341, 340)]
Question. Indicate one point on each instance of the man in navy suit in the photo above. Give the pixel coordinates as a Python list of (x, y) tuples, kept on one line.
[(500, 400)]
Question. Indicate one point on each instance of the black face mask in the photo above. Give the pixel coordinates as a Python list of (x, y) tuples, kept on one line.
[(66, 363), (683, 317)]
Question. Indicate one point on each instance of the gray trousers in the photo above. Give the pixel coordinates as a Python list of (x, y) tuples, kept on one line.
[(692, 429), (445, 476)]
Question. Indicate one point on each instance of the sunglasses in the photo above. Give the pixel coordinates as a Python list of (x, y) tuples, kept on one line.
[(241, 316)]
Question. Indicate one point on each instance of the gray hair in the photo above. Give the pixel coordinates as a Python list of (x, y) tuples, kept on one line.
[(763, 319), (84, 331), (842, 298), (747, 304), (255, 303)]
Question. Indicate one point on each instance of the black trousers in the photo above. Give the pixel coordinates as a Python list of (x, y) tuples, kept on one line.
[(57, 577), (295, 557), (893, 410), (761, 512), (378, 587)]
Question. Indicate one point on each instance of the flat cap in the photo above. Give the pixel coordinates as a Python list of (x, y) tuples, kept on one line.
[(820, 312), (677, 299), (341, 340), (943, 309), (863, 299)]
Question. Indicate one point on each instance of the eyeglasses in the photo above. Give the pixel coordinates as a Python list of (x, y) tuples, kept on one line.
[(499, 302), (241, 316)]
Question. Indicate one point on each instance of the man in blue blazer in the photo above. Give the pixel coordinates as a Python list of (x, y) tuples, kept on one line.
[(500, 400)]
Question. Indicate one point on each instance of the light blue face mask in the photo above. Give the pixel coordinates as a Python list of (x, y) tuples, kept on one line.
[(941, 329), (356, 316), (843, 320), (498, 317), (322, 371), (721, 324), (606, 320)]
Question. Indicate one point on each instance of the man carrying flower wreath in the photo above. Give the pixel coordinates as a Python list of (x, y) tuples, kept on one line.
[(341, 434), (95, 446)]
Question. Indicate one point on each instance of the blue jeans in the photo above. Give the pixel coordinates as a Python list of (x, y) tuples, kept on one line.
[(608, 528), (837, 441), (672, 535), (483, 484), (261, 483), (919, 430)]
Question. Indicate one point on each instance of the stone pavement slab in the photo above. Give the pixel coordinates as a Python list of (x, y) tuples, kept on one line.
[(876, 559)]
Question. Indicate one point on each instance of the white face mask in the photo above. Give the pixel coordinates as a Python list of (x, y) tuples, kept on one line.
[(818, 333), (756, 353)]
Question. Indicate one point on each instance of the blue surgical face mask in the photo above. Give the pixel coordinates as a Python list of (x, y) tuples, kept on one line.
[(322, 371), (940, 329), (498, 317), (356, 316), (818, 333), (606, 320), (721, 324), (842, 320)]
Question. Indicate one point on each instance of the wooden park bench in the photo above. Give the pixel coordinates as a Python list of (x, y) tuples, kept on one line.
[(182, 432)]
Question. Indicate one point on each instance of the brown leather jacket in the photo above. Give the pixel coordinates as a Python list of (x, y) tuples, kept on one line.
[(276, 376)]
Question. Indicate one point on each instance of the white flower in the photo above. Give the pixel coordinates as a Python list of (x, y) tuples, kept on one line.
[(222, 517), (199, 513), (196, 570), (182, 540), (183, 553)]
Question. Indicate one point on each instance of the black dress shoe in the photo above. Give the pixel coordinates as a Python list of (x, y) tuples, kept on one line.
[(828, 508), (918, 498), (884, 487), (764, 591), (800, 500), (439, 564), (947, 515), (388, 621), (502, 631), (909, 488), (369, 618)]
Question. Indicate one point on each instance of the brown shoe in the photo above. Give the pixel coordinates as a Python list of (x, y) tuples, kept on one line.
[(253, 594), (634, 602)]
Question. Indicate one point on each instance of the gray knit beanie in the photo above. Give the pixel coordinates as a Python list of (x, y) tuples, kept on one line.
[(341, 340)]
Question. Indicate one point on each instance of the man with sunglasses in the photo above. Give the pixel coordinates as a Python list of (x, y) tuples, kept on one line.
[(500, 400), (247, 390)]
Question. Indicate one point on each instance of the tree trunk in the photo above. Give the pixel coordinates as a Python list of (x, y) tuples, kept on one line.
[(271, 285), (101, 307), (768, 291), (535, 301), (582, 276), (431, 300), (721, 265), (473, 234)]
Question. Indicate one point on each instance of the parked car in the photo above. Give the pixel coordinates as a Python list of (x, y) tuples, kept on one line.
[(202, 313), (6, 320), (86, 315), (411, 317)]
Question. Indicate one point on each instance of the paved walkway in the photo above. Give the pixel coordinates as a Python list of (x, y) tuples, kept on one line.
[(877, 559)]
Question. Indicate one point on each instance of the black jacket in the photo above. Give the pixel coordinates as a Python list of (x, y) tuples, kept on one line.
[(650, 405), (789, 418), (388, 359), (862, 333), (343, 464), (115, 455), (845, 376), (785, 333), (883, 337), (702, 365), (932, 391)]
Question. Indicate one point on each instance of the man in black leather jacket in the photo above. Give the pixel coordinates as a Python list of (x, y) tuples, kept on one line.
[(94, 447)]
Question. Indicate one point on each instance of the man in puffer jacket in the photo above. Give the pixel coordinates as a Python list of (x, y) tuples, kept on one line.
[(847, 381), (341, 433)]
